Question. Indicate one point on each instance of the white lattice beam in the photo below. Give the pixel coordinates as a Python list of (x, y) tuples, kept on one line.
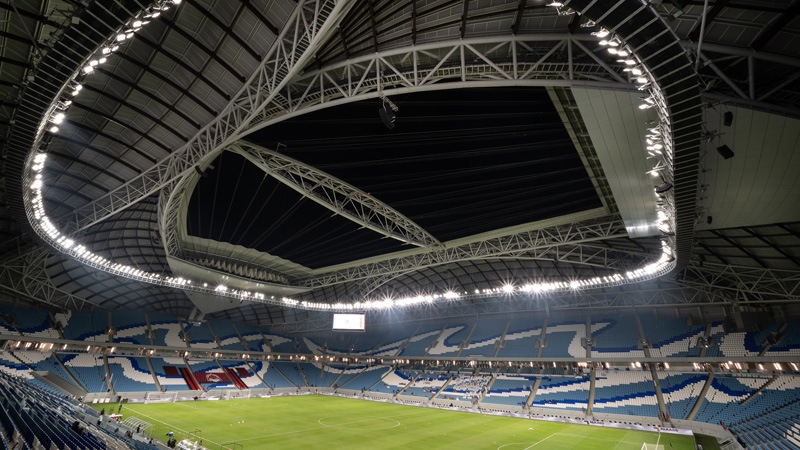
[(301, 36), (529, 60), (520, 244), (26, 276), (342, 198)]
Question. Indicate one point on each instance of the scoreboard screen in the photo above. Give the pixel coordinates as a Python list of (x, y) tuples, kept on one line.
[(348, 322)]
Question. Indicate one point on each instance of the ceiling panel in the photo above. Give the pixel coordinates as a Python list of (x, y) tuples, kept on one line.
[(759, 185), (617, 128)]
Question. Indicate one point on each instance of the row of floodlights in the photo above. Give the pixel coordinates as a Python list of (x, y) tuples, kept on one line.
[(657, 140), (101, 56), (82, 253), (85, 255), (615, 47)]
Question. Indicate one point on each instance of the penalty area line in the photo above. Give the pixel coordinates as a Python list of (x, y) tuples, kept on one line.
[(537, 443), (171, 426)]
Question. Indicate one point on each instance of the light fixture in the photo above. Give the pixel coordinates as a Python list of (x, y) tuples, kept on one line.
[(663, 187), (387, 112), (602, 33)]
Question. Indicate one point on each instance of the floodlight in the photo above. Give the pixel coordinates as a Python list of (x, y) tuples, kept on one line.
[(387, 112), (663, 187)]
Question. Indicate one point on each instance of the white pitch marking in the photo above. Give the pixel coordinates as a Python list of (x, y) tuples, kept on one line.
[(534, 445)]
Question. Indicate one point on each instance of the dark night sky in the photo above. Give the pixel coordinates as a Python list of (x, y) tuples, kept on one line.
[(458, 162)]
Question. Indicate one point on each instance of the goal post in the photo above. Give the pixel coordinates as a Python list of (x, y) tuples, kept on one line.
[(231, 394), (656, 446), (160, 397), (646, 446)]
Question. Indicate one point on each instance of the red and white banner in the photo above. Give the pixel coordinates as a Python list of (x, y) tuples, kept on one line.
[(212, 377)]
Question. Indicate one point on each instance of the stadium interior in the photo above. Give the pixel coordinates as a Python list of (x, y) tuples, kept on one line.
[(583, 210)]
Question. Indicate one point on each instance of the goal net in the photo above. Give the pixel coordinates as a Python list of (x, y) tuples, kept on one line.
[(159, 397), (236, 394), (646, 446)]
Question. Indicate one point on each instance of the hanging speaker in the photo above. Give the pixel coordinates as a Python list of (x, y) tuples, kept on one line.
[(725, 151), (727, 119)]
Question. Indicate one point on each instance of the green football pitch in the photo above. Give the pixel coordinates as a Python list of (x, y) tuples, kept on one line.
[(318, 421)]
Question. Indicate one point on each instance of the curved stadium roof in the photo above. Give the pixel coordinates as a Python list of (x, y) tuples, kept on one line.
[(240, 143)]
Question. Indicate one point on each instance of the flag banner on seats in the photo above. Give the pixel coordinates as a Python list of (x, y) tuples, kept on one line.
[(212, 377)]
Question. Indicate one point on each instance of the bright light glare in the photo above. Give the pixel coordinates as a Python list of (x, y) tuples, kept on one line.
[(602, 33)]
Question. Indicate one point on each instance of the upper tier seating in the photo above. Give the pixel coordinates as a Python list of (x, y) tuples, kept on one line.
[(130, 374), (29, 322), (615, 336), (449, 341), (669, 336), (227, 334), (521, 338), (86, 326), (130, 326), (417, 345), (88, 369), (484, 338), (200, 335)]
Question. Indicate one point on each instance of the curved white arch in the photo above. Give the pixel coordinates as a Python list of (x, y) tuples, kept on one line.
[(222, 130)]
